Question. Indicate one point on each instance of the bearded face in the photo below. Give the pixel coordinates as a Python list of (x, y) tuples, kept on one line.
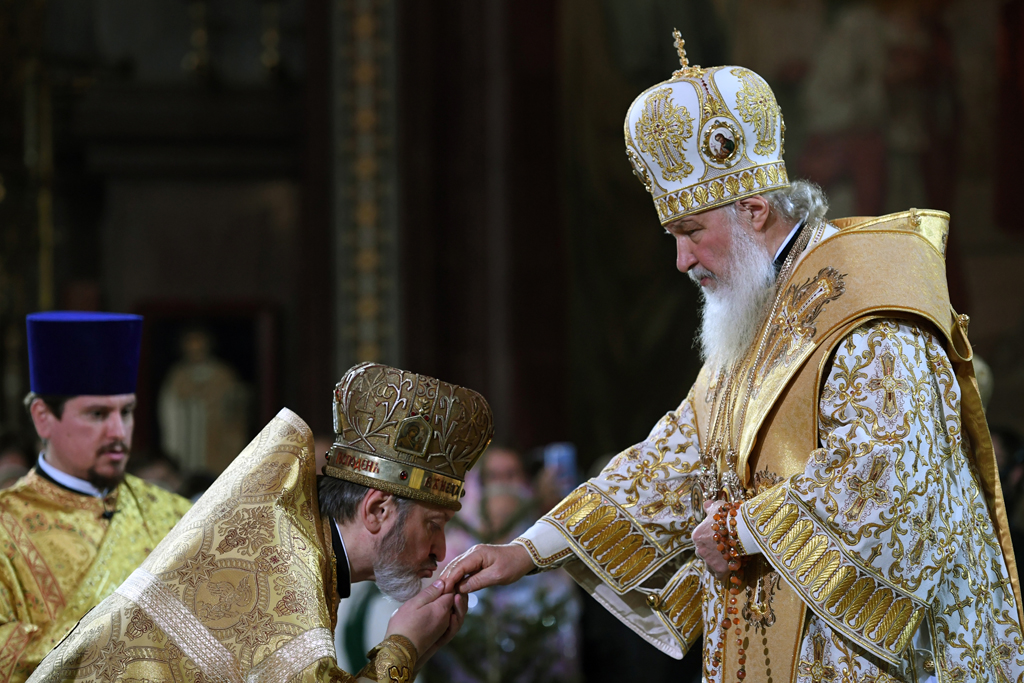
[(396, 577), (410, 550), (735, 300)]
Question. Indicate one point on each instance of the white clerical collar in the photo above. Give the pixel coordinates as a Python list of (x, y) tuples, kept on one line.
[(789, 238), (66, 480), (343, 549)]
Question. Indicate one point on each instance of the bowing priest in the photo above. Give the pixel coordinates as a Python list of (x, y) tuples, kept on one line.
[(824, 504), (246, 587), (76, 525)]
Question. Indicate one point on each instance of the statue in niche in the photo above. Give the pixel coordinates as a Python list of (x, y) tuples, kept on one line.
[(202, 408)]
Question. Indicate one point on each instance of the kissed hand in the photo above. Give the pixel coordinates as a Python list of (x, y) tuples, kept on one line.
[(487, 565)]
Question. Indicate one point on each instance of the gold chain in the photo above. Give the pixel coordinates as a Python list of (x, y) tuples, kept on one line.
[(724, 403)]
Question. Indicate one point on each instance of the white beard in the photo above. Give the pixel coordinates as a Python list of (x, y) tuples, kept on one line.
[(733, 312)]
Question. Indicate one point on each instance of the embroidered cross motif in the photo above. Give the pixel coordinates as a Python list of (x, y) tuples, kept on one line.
[(999, 653), (818, 670), (889, 383), (673, 499), (793, 323), (1002, 583), (958, 606), (867, 489), (926, 534)]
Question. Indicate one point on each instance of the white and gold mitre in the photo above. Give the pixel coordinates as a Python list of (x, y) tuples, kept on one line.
[(705, 138)]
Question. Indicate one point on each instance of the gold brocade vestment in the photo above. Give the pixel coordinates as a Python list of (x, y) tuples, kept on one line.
[(61, 558), (243, 589), (882, 545)]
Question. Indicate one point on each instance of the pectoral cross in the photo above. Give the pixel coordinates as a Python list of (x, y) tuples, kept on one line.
[(867, 489), (926, 534), (958, 606), (818, 670), (889, 383)]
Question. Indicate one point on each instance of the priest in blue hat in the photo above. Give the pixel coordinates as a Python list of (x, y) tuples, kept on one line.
[(76, 525)]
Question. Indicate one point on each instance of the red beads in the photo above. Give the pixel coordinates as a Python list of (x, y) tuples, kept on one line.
[(726, 540)]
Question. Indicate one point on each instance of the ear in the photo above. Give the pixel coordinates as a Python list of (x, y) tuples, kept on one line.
[(756, 209), (42, 418), (374, 511)]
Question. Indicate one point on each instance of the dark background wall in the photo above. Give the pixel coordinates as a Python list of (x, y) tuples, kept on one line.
[(163, 156)]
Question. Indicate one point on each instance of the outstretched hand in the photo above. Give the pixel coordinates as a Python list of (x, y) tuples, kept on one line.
[(487, 565)]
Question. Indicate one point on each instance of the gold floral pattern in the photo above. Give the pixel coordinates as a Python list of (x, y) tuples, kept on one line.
[(246, 530), (243, 588), (791, 328), (884, 535), (61, 558), (887, 528), (723, 190)]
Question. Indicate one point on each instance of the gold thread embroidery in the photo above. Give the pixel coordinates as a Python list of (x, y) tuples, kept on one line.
[(756, 106), (662, 131), (541, 562), (737, 185), (181, 626), (294, 656)]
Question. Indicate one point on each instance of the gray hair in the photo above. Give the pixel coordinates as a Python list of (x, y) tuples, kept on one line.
[(802, 200), (340, 499)]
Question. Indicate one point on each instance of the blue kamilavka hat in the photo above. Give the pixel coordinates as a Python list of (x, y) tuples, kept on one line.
[(74, 353)]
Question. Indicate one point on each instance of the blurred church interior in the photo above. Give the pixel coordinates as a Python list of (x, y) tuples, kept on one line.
[(284, 188)]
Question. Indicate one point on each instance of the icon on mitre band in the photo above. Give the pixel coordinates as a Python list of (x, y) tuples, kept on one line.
[(413, 436), (722, 146)]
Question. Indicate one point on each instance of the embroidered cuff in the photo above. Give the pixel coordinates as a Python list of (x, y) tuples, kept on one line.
[(611, 542), (747, 544), (394, 660), (547, 547), (862, 606)]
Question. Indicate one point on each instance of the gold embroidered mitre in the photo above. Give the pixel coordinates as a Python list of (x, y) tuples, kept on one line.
[(705, 138), (407, 434)]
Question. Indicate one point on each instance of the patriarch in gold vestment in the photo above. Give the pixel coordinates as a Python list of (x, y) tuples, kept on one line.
[(76, 526), (246, 587), (837, 415)]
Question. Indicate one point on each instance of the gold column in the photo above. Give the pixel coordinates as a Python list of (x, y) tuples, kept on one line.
[(365, 206)]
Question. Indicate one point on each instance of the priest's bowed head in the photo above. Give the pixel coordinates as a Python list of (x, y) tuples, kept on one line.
[(824, 504), (247, 585)]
